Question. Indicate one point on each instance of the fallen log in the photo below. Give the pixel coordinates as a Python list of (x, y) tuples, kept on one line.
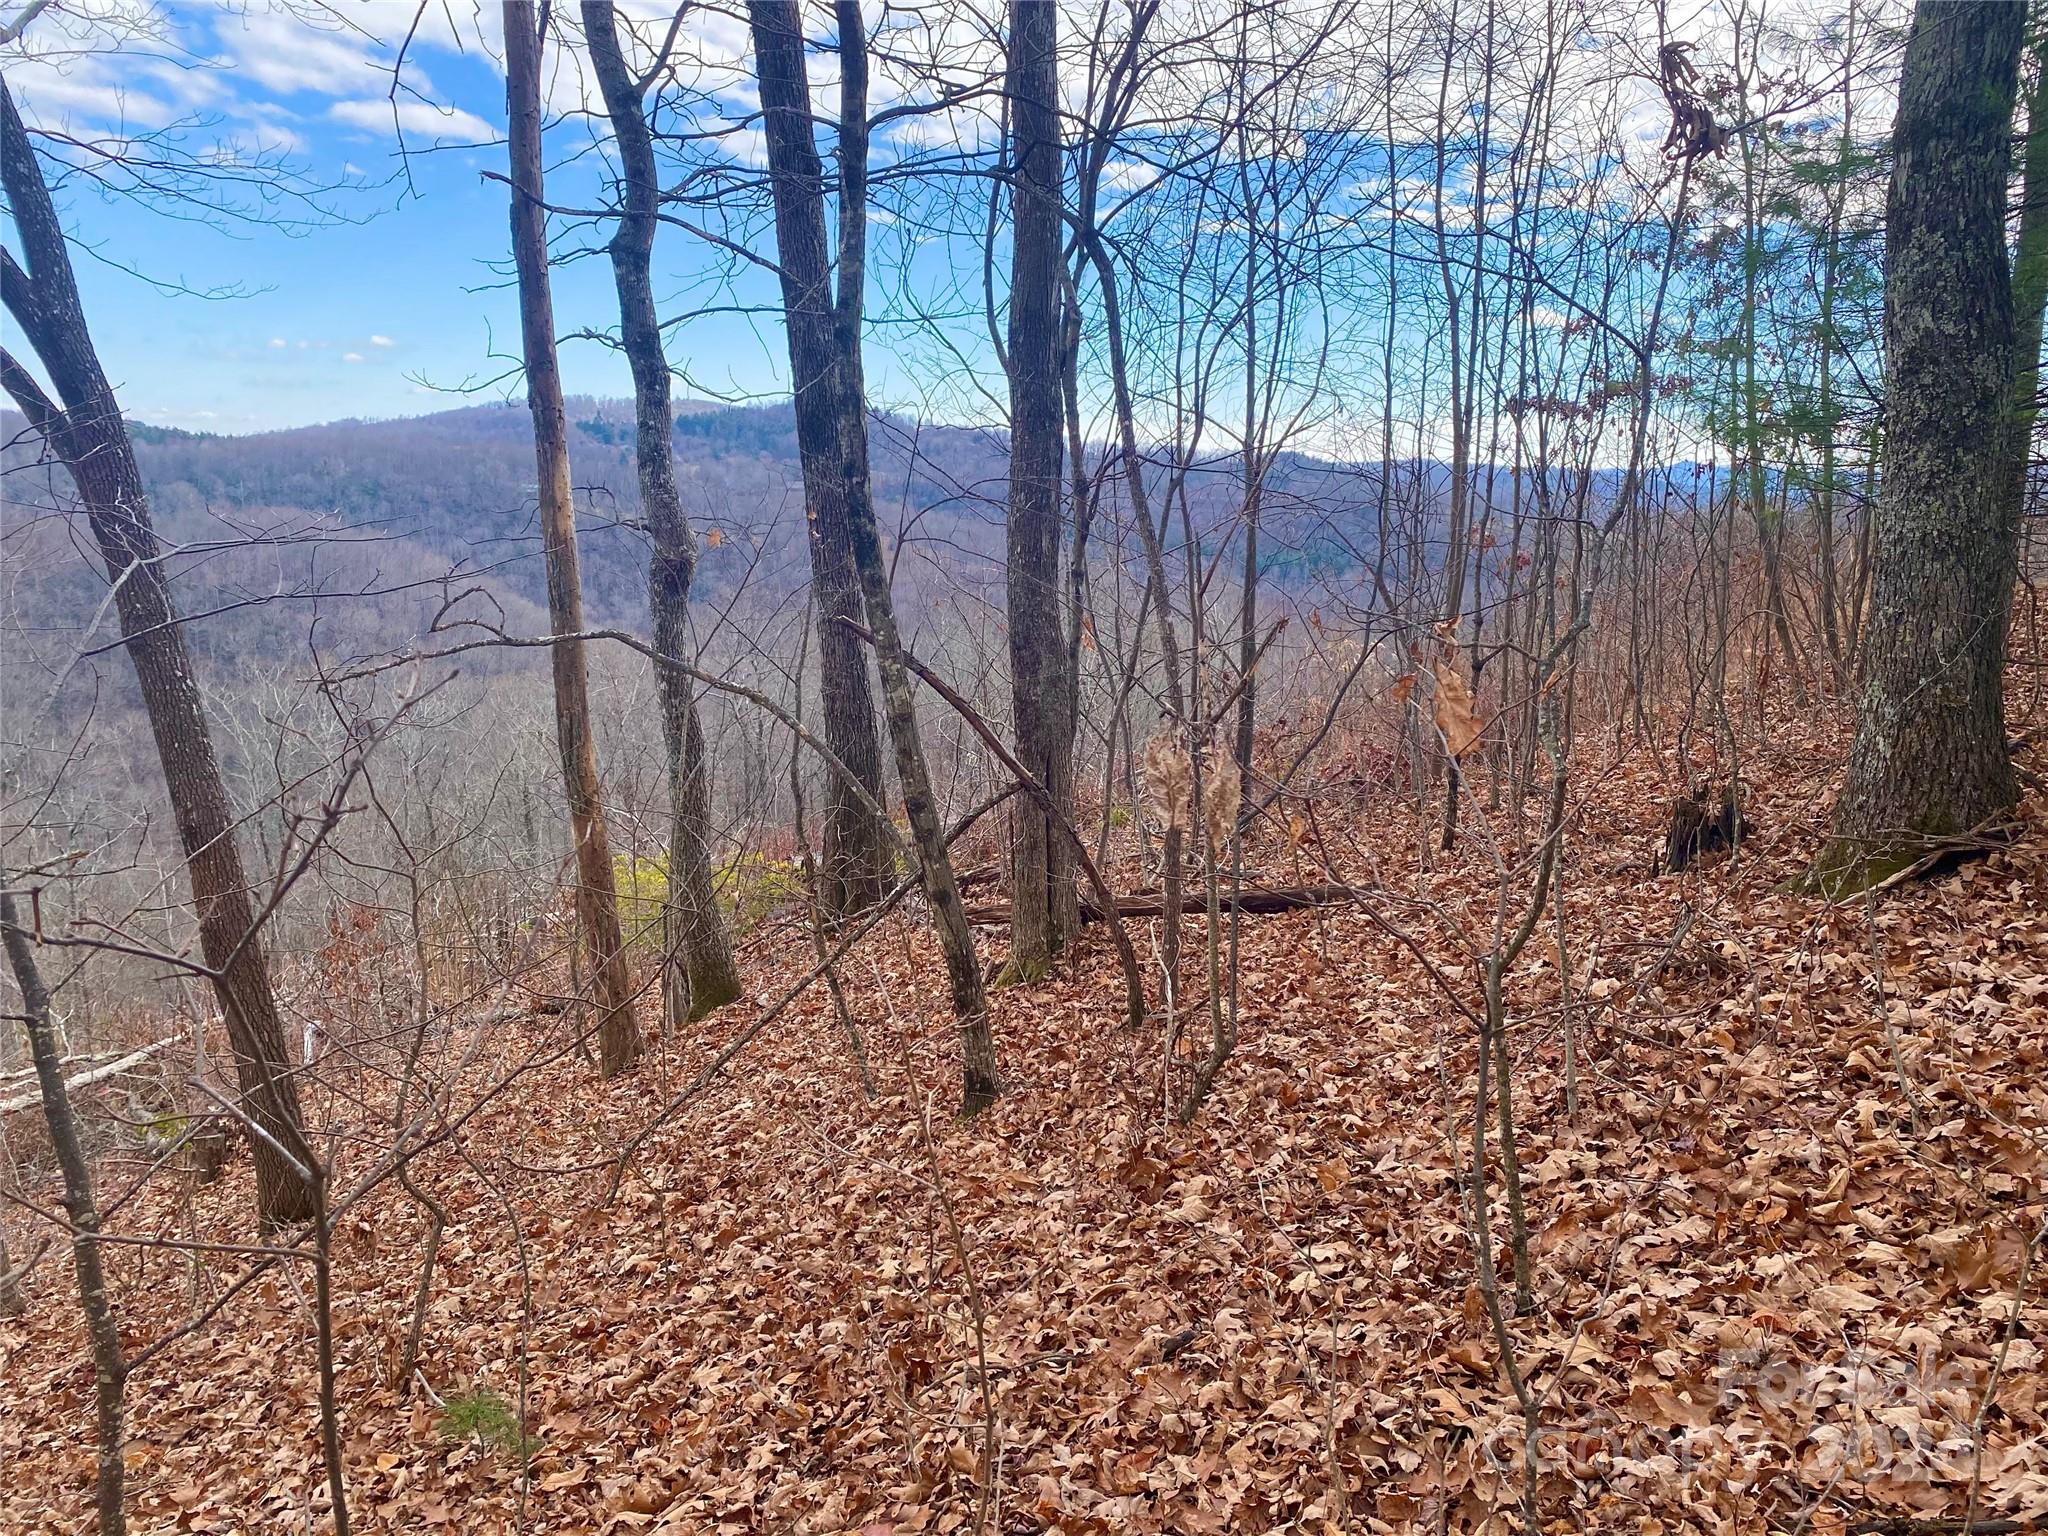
[(1256, 899), (86, 1079)]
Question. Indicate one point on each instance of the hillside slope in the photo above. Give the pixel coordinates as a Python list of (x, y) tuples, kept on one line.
[(1778, 1250)]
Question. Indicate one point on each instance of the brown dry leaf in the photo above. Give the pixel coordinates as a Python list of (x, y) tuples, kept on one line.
[(1221, 788), (748, 1341), (1456, 715), (1169, 778)]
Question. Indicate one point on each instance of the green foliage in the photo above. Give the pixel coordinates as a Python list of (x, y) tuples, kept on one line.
[(1017, 973), (752, 885), (1119, 817), (749, 886), (643, 892), (485, 1417)]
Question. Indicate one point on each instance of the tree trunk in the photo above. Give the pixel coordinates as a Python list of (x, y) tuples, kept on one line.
[(1043, 896), (597, 906), (1930, 757), (89, 435), (856, 852), (13, 1298), (109, 1364), (825, 362), (697, 935)]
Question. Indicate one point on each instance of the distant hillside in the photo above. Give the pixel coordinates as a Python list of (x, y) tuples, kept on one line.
[(455, 489)]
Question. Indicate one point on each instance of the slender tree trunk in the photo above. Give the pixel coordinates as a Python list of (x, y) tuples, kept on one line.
[(856, 851), (1930, 757), (597, 906), (1043, 904), (87, 432), (697, 934), (13, 1297), (109, 1364), (824, 348)]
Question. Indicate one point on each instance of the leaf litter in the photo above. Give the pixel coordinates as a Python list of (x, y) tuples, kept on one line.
[(1777, 1252)]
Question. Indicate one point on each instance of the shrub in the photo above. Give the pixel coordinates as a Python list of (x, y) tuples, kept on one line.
[(643, 892), (488, 1419), (749, 886), (752, 885)]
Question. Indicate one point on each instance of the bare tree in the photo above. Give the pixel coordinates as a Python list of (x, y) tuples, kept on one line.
[(597, 906), (84, 428), (855, 846), (697, 936), (1044, 910), (109, 1362), (825, 367)]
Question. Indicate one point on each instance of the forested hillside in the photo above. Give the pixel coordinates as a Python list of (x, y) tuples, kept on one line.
[(1230, 767)]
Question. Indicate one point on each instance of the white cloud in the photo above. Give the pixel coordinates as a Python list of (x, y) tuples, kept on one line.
[(283, 52), (382, 341), (419, 119), (351, 357), (277, 341), (55, 93)]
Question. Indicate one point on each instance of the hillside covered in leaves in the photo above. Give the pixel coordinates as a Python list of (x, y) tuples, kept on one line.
[(1785, 1272)]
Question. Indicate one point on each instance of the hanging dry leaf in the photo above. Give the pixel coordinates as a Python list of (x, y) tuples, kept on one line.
[(1169, 778), (1456, 715), (1404, 688), (713, 537), (1222, 788)]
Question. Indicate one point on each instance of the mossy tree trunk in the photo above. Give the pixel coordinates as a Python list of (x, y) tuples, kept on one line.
[(1930, 758)]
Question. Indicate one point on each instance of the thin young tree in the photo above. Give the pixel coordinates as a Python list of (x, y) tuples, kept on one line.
[(84, 428), (597, 905), (1044, 908), (81, 1207), (824, 331), (1930, 759), (697, 941)]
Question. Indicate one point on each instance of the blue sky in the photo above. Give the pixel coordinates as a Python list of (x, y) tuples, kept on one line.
[(375, 312), (397, 299)]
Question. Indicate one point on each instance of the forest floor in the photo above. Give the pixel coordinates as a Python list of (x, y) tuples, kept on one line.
[(1778, 1249)]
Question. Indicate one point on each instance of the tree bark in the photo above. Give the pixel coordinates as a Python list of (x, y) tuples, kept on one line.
[(109, 1364), (856, 852), (597, 906), (825, 362), (697, 938), (1930, 757), (1043, 896), (87, 432)]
